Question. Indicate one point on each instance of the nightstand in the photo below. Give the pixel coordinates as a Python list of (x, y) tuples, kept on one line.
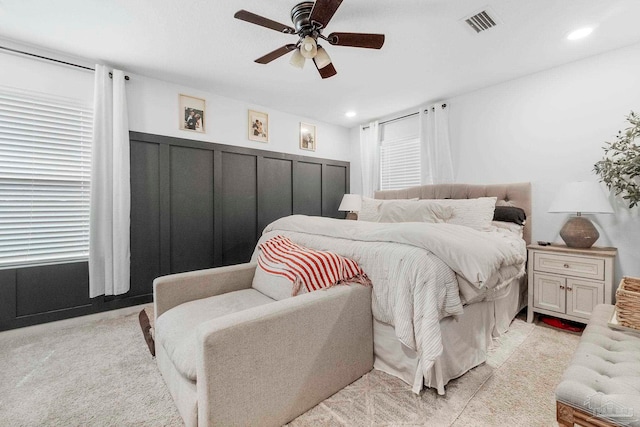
[(568, 283)]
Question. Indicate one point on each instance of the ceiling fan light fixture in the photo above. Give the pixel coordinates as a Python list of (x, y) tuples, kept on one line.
[(308, 47), (309, 19), (322, 58), (297, 60)]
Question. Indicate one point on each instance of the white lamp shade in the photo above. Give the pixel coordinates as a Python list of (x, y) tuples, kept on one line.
[(308, 47), (581, 197), (351, 203), (322, 58), (297, 60)]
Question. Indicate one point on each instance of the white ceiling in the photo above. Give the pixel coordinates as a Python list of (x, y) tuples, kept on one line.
[(428, 55)]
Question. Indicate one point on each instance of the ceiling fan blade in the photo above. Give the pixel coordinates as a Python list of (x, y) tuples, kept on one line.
[(323, 11), (327, 71), (275, 54), (369, 41), (263, 22)]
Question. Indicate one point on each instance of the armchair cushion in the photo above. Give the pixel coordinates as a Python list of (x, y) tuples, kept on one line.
[(273, 286), (176, 328)]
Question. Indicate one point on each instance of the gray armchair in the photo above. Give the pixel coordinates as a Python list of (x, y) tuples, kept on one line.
[(233, 356)]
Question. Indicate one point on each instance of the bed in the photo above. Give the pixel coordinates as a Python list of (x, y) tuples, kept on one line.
[(466, 338), (441, 292)]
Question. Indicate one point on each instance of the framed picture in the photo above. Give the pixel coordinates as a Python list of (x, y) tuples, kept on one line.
[(191, 113), (258, 128), (308, 136)]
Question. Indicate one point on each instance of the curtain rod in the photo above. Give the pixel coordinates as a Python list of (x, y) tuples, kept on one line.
[(404, 117), (394, 119), (21, 52)]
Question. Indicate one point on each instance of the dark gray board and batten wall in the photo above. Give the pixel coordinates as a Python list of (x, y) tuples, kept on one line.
[(194, 205)]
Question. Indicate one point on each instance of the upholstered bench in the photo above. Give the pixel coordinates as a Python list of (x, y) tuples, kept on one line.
[(601, 386)]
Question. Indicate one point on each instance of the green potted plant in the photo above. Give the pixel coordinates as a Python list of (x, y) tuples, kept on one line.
[(620, 167)]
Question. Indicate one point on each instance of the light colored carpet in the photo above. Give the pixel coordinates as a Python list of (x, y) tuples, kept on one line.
[(101, 374)]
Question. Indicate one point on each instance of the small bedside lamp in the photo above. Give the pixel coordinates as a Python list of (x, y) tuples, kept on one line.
[(580, 197), (351, 203)]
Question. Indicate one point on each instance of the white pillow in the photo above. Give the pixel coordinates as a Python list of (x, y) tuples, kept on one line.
[(474, 213), (274, 286), (414, 211), (371, 208), (516, 229)]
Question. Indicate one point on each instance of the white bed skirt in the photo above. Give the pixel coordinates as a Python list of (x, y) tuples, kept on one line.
[(466, 341)]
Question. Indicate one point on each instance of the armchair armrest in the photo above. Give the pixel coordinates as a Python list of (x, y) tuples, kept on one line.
[(175, 289), (267, 365)]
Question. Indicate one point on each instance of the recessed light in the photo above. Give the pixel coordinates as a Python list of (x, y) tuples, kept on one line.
[(579, 34), (350, 114)]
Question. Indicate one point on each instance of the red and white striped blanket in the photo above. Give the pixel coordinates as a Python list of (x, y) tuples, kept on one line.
[(308, 267)]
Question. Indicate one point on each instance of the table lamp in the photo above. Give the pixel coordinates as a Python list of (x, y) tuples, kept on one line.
[(580, 197), (351, 203)]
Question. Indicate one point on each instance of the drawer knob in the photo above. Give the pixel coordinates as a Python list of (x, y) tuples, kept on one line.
[(569, 289), (566, 266), (561, 287)]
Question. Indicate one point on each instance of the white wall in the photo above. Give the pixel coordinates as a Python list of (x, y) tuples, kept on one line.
[(549, 128), (153, 108)]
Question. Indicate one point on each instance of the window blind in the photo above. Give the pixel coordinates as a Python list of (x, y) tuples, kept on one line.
[(45, 161), (399, 164), (400, 153)]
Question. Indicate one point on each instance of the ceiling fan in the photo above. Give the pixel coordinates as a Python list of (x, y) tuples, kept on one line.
[(309, 20)]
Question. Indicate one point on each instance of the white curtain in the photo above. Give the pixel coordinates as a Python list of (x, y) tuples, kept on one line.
[(369, 158), (435, 156), (109, 245)]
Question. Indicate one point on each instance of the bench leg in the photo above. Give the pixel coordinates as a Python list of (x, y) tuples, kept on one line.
[(567, 416), (564, 415)]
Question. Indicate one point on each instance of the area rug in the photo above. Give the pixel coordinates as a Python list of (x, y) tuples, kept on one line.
[(102, 374), (94, 374), (515, 387)]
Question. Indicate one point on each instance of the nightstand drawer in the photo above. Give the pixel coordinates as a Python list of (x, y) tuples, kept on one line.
[(589, 268)]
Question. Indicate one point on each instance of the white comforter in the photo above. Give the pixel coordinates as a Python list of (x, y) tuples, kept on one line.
[(413, 268)]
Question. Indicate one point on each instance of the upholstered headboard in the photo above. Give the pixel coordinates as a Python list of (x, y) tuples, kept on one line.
[(518, 194)]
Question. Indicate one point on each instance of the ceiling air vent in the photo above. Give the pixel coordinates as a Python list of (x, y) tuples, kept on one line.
[(481, 21)]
